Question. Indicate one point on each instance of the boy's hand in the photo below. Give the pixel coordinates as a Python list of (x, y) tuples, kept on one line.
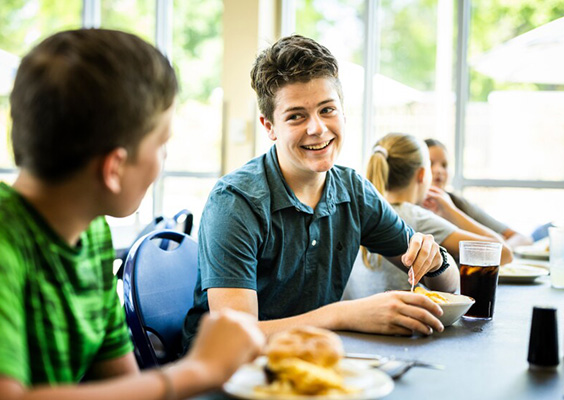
[(422, 255), (393, 313), (226, 340)]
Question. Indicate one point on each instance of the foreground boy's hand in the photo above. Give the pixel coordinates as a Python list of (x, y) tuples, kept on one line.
[(423, 255), (225, 340), (394, 313)]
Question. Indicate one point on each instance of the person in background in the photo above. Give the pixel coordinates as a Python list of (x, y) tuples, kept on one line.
[(91, 113), (456, 208), (278, 237), (401, 170)]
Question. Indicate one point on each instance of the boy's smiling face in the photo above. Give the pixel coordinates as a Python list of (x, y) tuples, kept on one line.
[(308, 127)]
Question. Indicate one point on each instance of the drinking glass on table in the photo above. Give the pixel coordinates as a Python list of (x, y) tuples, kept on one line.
[(556, 235), (479, 268)]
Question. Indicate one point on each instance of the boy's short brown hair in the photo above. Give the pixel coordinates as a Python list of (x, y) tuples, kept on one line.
[(82, 93), (291, 59)]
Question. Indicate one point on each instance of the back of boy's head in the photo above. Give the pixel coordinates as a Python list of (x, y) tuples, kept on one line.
[(394, 160), (80, 94), (291, 59)]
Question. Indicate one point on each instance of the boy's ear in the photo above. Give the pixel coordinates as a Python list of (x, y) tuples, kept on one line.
[(113, 165), (269, 126), (420, 174)]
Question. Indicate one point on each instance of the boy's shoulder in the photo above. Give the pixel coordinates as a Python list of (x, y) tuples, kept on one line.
[(11, 206), (21, 221), (347, 174), (252, 171), (249, 181), (16, 236), (348, 180)]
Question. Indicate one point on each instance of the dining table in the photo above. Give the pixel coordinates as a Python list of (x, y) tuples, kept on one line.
[(481, 359)]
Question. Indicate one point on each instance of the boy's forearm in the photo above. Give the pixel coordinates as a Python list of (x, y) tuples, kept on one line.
[(182, 380), (448, 281), (328, 317)]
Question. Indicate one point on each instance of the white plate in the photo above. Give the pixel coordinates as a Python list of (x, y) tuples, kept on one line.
[(533, 252), (372, 383), (520, 273)]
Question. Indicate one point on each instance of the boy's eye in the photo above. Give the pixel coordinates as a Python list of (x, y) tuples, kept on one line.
[(294, 117), (327, 110)]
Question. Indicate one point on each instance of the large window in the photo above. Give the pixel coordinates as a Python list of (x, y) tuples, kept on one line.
[(514, 130), (339, 25), (194, 152), (197, 56), (523, 209), (412, 88), (135, 16)]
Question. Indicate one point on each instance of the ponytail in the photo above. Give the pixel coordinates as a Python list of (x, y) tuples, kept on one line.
[(395, 159)]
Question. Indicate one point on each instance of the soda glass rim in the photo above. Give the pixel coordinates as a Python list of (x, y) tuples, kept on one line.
[(479, 244), (480, 253)]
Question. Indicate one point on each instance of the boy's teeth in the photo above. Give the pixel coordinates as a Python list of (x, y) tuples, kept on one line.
[(319, 146)]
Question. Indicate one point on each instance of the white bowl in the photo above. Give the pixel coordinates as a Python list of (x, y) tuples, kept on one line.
[(455, 308)]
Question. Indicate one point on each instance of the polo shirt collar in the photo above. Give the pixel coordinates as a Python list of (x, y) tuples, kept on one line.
[(282, 197)]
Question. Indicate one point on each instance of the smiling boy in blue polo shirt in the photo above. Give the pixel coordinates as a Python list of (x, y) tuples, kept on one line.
[(279, 236)]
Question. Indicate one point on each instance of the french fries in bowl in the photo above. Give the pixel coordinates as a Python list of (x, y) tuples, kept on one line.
[(454, 306)]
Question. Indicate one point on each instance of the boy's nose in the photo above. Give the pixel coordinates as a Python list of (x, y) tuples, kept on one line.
[(316, 126)]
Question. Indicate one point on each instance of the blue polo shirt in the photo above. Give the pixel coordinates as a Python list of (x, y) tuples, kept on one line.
[(255, 234)]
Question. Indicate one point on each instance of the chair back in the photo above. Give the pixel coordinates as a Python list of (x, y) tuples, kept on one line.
[(158, 285), (182, 221)]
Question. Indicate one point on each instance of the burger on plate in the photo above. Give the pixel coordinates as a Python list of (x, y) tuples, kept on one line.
[(304, 361)]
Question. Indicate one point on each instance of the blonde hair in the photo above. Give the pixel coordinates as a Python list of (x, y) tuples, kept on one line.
[(395, 159)]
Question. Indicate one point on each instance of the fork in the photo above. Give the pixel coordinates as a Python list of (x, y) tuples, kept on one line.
[(396, 368), (393, 367)]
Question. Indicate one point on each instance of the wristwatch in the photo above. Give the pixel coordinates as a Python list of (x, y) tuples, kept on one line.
[(443, 266)]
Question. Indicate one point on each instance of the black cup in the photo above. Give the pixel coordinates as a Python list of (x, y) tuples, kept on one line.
[(543, 342)]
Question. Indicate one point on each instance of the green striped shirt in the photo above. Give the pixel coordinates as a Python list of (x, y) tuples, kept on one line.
[(59, 309)]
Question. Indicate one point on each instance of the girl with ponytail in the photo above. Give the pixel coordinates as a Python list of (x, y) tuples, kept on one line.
[(401, 171)]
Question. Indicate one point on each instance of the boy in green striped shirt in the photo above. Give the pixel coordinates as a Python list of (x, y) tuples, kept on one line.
[(91, 114)]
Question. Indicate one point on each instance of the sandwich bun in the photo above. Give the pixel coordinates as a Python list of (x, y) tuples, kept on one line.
[(304, 361), (317, 346)]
